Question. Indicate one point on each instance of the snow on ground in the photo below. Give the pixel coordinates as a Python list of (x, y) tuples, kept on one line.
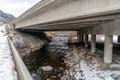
[(7, 71), (84, 65), (97, 74)]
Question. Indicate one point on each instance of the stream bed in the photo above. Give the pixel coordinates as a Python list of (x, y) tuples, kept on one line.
[(48, 62)]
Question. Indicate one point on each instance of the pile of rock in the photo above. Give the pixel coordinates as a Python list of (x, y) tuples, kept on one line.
[(84, 65), (47, 73), (72, 60)]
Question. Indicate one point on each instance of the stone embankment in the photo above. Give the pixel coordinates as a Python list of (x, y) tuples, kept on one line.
[(27, 43)]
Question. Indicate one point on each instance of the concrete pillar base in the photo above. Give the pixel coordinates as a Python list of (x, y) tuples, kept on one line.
[(108, 48)]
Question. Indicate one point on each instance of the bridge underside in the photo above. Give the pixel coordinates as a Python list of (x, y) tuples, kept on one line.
[(86, 16), (100, 25)]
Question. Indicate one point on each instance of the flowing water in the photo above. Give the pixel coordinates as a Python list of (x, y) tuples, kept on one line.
[(51, 55)]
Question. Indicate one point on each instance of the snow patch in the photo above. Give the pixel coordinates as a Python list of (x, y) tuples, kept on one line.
[(86, 70), (7, 71)]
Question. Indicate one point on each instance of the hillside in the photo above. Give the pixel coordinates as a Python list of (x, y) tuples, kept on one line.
[(6, 17)]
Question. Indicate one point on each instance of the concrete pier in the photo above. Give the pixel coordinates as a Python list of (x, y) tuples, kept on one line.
[(119, 39), (86, 40), (93, 43), (78, 37), (108, 48), (82, 38)]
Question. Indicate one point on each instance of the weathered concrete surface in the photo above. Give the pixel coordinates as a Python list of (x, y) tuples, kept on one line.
[(93, 43), (109, 27), (108, 49)]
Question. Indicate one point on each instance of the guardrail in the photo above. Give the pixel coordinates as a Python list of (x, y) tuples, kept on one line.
[(23, 71)]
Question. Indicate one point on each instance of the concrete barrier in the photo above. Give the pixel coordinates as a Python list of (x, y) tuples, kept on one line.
[(23, 71)]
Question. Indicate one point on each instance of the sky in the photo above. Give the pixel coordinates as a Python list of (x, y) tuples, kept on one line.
[(16, 7)]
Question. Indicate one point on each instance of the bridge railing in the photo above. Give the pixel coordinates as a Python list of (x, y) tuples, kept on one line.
[(22, 70)]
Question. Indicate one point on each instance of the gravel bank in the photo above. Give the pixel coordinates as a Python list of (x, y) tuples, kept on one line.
[(84, 65)]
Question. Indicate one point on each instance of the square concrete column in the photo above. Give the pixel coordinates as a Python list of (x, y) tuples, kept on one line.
[(78, 37), (86, 40), (108, 48), (93, 43), (119, 39), (82, 38)]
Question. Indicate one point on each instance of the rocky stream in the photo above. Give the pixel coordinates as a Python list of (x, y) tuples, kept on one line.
[(56, 60)]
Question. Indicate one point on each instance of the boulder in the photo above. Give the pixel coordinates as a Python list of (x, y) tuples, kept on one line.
[(47, 68)]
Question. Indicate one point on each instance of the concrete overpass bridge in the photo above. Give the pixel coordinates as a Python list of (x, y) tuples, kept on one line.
[(85, 16)]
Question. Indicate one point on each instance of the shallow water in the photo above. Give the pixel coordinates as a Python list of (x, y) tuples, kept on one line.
[(50, 55)]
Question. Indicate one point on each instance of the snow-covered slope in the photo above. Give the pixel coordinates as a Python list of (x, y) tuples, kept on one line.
[(7, 71), (6, 17)]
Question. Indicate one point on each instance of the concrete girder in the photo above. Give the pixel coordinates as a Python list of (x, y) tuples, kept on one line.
[(61, 27), (109, 27)]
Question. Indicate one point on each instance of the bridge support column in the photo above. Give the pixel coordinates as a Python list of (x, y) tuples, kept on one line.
[(108, 48), (86, 40), (119, 39), (82, 38), (78, 37), (93, 43), (12, 27)]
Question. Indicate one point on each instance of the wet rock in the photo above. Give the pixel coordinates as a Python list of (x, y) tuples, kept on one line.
[(36, 75), (116, 77), (56, 72), (47, 68)]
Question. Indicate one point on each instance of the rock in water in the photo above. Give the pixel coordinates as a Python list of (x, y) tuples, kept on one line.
[(47, 68)]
